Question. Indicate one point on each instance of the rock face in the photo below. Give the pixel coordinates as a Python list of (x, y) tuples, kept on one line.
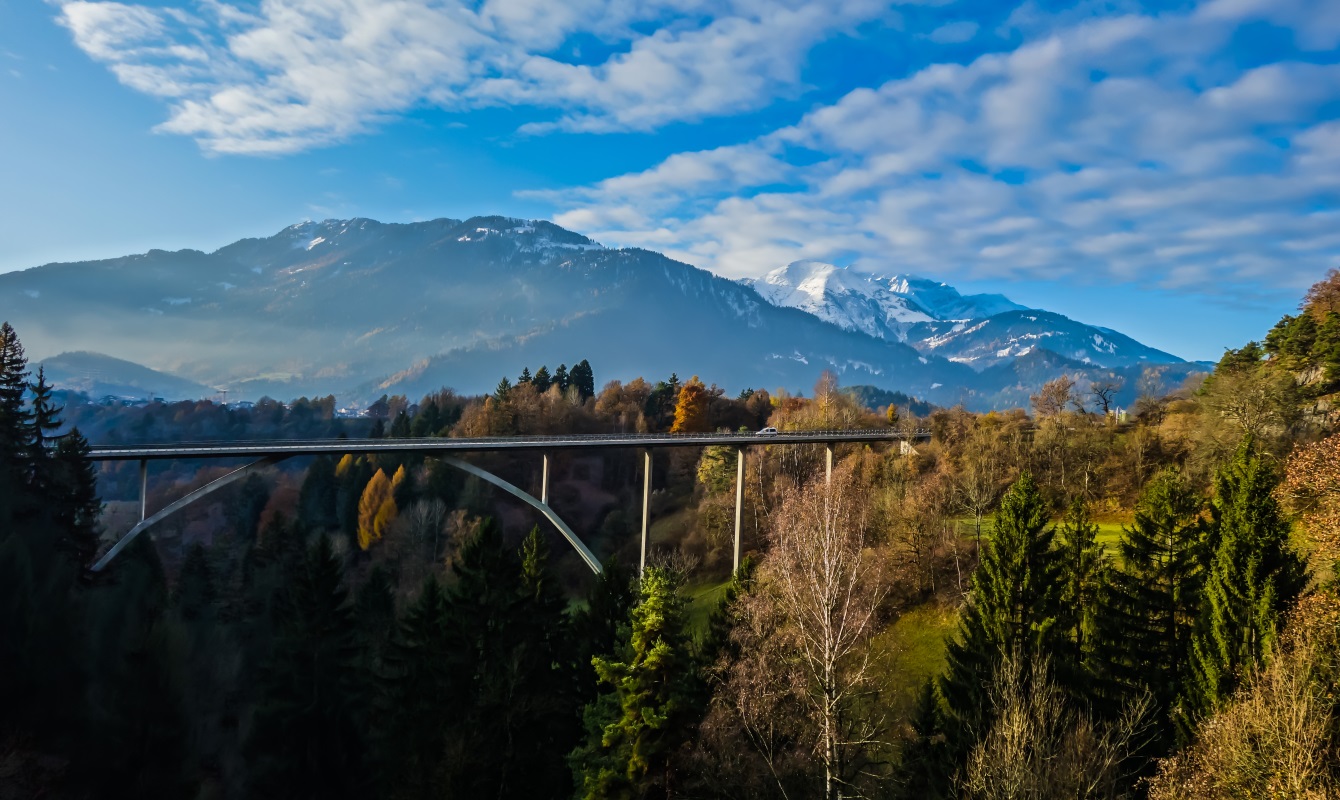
[(359, 308)]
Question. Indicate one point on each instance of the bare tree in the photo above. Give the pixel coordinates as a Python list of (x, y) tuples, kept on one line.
[(1040, 747), (1105, 390), (1054, 397), (801, 686)]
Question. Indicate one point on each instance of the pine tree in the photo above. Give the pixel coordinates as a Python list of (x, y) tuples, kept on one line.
[(1013, 608), (306, 739), (425, 698), (400, 428), (1154, 595), (561, 378), (596, 623), (74, 503), (584, 379), (542, 380), (195, 586), (634, 727), (319, 496), (524, 377), (1084, 573), (42, 438), (1254, 576), (924, 770), (15, 428)]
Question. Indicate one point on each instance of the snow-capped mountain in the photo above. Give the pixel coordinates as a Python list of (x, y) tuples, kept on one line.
[(359, 308), (980, 330)]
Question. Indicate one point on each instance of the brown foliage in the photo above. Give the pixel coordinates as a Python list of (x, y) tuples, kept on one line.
[(691, 408), (1311, 487), (1324, 296)]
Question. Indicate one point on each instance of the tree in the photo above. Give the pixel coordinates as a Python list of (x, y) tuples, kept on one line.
[(1311, 486), (1084, 571), (1324, 296), (74, 502), (15, 428), (583, 379), (1155, 594), (1013, 608), (319, 496), (1254, 576), (525, 377), (1054, 397), (635, 726), (691, 408), (561, 377), (376, 510), (542, 381), (306, 739), (1105, 390)]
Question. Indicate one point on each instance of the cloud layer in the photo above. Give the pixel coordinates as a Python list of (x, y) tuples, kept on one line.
[(288, 75), (1131, 148)]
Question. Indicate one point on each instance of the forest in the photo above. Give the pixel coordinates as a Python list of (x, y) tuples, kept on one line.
[(1053, 602)]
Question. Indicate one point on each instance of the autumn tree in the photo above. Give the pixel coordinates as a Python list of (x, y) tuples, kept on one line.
[(376, 510), (1311, 487), (1324, 296), (691, 408)]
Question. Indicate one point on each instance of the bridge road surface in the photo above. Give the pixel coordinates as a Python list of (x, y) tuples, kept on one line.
[(315, 447)]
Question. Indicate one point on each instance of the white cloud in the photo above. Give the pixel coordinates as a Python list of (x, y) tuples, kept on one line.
[(293, 74), (954, 32), (1127, 148)]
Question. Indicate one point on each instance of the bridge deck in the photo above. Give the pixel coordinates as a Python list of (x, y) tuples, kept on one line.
[(312, 447)]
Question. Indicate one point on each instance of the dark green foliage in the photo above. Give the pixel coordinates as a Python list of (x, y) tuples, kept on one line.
[(640, 720), (542, 380), (1155, 594), (307, 737), (524, 377), (924, 769), (15, 427), (73, 505), (374, 609), (504, 389), (561, 378), (583, 379), (195, 587), (319, 497), (596, 623), (244, 512), (400, 427), (1085, 571), (1254, 577), (1013, 607)]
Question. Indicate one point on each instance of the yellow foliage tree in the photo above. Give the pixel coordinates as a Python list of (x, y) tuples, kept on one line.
[(376, 510), (344, 466), (691, 410)]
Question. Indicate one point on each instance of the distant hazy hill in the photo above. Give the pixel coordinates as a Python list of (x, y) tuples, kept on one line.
[(98, 375), (359, 308)]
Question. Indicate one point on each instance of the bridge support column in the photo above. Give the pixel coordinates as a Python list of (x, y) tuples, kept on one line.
[(646, 507), (739, 505), (828, 470), (544, 481), (144, 488)]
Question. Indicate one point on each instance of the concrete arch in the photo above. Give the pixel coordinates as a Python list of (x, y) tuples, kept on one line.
[(241, 472)]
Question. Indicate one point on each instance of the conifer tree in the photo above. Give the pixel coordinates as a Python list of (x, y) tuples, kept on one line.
[(584, 379), (524, 377), (1254, 576), (924, 771), (306, 739), (596, 623), (561, 378), (15, 427), (195, 593), (633, 728), (42, 438), (74, 499), (1013, 607), (542, 380), (319, 495), (1084, 572), (376, 509), (424, 698)]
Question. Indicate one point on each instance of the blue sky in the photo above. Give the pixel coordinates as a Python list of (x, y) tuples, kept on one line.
[(1170, 170)]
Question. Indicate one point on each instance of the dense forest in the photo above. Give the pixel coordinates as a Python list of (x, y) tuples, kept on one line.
[(1054, 602)]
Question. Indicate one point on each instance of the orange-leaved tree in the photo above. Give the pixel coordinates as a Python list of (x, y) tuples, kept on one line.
[(691, 410), (376, 509)]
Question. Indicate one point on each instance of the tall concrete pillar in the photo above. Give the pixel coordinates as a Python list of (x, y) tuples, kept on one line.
[(828, 472), (739, 504), (646, 507), (544, 481), (144, 488)]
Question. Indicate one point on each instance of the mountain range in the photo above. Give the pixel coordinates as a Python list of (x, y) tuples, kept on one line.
[(359, 308)]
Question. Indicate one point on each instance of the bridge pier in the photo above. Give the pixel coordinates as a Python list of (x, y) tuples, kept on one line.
[(828, 469), (144, 488), (739, 505), (646, 508), (544, 481)]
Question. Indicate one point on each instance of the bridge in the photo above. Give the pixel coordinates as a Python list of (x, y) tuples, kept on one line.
[(268, 453)]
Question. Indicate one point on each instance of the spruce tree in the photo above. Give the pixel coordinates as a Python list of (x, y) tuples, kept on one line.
[(15, 428), (561, 378), (1084, 572), (1254, 576), (596, 623), (424, 699), (635, 726), (524, 377), (74, 499), (319, 496), (542, 381), (1013, 607), (307, 736), (1154, 595), (924, 771), (584, 379)]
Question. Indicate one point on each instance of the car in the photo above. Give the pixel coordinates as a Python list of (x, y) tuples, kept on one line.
[(768, 431)]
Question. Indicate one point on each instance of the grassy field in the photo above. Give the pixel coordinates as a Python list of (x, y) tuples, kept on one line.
[(1109, 530), (703, 598), (909, 651)]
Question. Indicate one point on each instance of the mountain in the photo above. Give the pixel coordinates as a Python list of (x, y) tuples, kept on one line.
[(98, 375), (982, 330), (359, 308)]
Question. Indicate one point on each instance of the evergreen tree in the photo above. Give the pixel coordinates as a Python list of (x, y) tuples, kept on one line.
[(424, 698), (924, 771), (306, 739), (374, 610), (195, 586), (42, 439), (596, 623), (1154, 595), (542, 380), (1084, 573), (319, 496), (561, 378), (1013, 607), (1254, 576), (524, 377), (635, 726), (74, 502), (15, 428), (503, 391), (584, 379), (400, 428)]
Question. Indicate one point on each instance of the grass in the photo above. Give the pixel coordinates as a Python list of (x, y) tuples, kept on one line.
[(702, 600), (1109, 530), (910, 651)]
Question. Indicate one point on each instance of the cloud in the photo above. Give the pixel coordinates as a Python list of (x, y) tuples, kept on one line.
[(295, 74), (1129, 148), (954, 32)]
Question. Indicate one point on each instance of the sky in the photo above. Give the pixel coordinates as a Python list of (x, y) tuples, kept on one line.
[(1170, 170)]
